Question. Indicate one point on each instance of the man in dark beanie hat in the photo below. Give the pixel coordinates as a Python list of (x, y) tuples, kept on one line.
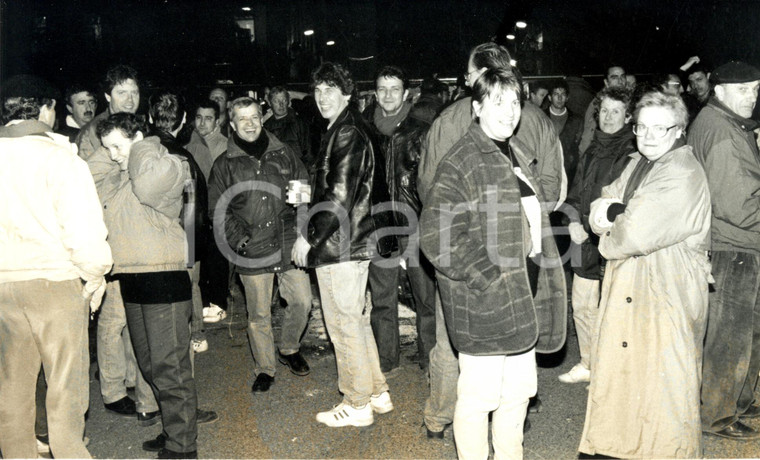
[(52, 239), (723, 141)]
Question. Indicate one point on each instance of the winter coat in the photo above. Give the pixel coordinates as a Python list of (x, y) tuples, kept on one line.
[(258, 225), (647, 364), (605, 159), (349, 181), (141, 207), (535, 135), (725, 145), (51, 222), (488, 305)]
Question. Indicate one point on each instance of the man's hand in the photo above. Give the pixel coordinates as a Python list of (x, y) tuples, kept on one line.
[(692, 60), (300, 251), (94, 290), (577, 234)]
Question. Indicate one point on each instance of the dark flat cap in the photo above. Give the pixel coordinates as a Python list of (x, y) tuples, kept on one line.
[(29, 86), (735, 72)]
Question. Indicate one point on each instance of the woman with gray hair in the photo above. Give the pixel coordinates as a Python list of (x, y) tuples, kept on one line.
[(654, 228)]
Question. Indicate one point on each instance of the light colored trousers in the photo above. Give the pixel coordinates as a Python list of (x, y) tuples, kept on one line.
[(586, 315), (43, 322), (116, 356), (500, 384), (347, 317), (295, 289)]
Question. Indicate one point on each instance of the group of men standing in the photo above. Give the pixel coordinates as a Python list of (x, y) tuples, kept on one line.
[(373, 171)]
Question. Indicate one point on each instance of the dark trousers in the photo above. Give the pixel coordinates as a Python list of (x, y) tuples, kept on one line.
[(383, 283), (40, 421), (422, 281), (215, 277), (161, 338), (731, 359)]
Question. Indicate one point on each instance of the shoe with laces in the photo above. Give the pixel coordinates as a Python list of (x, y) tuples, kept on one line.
[(213, 314), (382, 403), (200, 345), (577, 374), (346, 415)]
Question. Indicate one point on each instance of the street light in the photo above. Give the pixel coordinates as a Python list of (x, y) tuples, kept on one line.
[(246, 8), (521, 24), (308, 32), (510, 37), (330, 43)]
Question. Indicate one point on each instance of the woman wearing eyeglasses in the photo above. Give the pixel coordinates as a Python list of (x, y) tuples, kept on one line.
[(654, 228)]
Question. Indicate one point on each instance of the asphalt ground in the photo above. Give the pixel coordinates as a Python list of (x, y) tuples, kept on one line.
[(280, 423)]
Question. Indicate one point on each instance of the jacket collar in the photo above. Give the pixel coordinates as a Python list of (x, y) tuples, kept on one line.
[(234, 150), (745, 123), (339, 121), (483, 143), (21, 128)]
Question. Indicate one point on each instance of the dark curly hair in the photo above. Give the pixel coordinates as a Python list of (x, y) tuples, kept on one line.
[(333, 74), (117, 75), (128, 123)]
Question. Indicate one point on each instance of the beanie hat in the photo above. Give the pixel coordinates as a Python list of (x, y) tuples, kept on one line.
[(735, 72), (28, 86)]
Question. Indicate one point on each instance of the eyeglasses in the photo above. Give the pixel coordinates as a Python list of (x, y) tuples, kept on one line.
[(658, 131), (467, 74)]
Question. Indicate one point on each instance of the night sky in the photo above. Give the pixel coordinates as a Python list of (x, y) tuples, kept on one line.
[(183, 42)]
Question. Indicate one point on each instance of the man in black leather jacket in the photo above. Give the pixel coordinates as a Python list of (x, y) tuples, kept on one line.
[(340, 240), (401, 130)]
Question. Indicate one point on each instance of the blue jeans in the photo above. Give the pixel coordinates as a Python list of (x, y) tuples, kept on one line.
[(731, 359), (444, 373), (116, 356), (342, 287), (295, 289), (161, 336), (43, 322)]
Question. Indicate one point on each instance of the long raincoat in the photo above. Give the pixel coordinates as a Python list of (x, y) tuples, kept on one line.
[(644, 395)]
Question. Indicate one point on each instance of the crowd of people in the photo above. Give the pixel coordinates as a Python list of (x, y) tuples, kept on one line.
[(482, 205)]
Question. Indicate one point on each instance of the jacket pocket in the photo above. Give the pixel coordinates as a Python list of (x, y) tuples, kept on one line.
[(491, 315)]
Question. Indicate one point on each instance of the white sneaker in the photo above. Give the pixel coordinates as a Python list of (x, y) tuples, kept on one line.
[(345, 415), (213, 314), (199, 346), (577, 374), (42, 447), (381, 404)]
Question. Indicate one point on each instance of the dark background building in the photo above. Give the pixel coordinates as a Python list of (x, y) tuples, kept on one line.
[(257, 42)]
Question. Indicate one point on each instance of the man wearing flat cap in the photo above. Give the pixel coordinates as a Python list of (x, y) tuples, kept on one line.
[(53, 256), (724, 142)]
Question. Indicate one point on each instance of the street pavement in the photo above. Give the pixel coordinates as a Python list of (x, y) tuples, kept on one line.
[(280, 423)]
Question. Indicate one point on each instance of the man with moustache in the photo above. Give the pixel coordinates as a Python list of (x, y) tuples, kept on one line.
[(81, 105)]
